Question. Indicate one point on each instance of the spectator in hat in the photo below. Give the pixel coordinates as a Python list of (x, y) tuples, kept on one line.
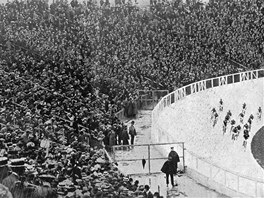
[(3, 148), (156, 195), (175, 157), (132, 132), (25, 137), (125, 135), (17, 170), (147, 192), (112, 138), (135, 185), (11, 182), (119, 129), (169, 169)]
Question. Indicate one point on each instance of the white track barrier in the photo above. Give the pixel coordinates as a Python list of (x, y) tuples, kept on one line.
[(207, 173)]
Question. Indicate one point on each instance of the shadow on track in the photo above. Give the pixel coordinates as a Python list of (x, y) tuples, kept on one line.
[(257, 147)]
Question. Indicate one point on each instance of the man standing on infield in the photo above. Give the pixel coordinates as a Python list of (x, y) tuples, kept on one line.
[(175, 158), (132, 132)]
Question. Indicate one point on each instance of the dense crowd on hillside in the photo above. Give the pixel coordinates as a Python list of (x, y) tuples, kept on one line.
[(67, 68)]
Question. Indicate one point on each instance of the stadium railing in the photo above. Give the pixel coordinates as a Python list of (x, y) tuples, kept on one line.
[(120, 114), (146, 100), (149, 98), (208, 173)]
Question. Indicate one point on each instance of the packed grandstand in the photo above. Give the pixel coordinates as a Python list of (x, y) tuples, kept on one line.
[(68, 67)]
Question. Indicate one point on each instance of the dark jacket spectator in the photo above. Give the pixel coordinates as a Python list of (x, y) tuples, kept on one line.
[(175, 157), (132, 132), (147, 193), (125, 136), (169, 169)]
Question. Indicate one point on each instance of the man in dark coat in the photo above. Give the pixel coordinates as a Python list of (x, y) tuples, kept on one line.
[(175, 158), (119, 130), (132, 132), (125, 136), (169, 169), (147, 192)]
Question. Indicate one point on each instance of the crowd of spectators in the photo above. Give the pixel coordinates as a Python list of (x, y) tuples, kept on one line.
[(67, 68)]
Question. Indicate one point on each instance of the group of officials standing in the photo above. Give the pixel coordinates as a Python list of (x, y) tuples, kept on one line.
[(132, 132), (121, 135)]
